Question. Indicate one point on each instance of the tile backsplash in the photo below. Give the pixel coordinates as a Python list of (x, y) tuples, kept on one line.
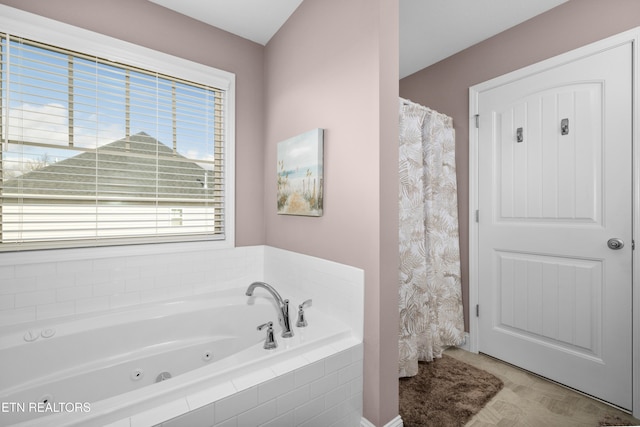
[(51, 284), (35, 286), (338, 289)]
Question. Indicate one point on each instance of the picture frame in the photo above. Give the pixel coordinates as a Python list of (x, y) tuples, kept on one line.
[(300, 171)]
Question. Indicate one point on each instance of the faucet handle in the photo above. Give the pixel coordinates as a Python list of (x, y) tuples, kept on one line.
[(270, 341), (302, 322), (265, 325), (307, 303)]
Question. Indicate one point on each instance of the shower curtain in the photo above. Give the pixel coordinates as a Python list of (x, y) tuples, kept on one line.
[(431, 315)]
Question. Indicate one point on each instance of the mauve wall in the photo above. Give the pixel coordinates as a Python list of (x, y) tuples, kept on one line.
[(445, 86), (147, 24), (334, 65)]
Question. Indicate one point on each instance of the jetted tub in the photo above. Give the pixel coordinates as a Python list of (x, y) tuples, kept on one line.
[(97, 369)]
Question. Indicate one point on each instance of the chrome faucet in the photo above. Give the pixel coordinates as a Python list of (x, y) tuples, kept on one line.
[(283, 306)]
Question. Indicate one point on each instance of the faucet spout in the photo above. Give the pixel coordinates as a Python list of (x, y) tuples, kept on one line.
[(266, 286), (283, 306)]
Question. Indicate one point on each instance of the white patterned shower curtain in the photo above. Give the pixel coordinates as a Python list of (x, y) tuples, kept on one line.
[(431, 315)]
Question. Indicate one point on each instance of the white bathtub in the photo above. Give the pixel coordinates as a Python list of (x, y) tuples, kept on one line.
[(101, 369)]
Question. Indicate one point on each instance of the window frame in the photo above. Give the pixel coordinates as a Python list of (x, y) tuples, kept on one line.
[(45, 30)]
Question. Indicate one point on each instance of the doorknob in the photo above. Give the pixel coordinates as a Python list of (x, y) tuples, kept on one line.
[(615, 243)]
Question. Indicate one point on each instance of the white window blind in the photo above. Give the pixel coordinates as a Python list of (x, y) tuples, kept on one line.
[(95, 152)]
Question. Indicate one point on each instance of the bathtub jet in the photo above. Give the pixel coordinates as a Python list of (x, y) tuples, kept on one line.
[(283, 306)]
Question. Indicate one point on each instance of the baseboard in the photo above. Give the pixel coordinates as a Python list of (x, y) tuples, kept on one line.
[(396, 422), (466, 344)]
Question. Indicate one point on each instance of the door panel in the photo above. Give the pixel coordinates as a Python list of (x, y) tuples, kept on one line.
[(564, 185), (551, 300), (554, 299)]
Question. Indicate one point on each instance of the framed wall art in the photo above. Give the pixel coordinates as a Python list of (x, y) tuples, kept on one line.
[(300, 174)]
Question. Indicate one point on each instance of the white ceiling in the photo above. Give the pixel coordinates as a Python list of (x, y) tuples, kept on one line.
[(256, 20), (430, 30)]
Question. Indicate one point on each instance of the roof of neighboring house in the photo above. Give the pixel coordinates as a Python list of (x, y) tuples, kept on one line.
[(126, 168)]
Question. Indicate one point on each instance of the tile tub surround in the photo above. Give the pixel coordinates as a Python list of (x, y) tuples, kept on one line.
[(314, 389), (337, 288), (52, 284), (49, 284)]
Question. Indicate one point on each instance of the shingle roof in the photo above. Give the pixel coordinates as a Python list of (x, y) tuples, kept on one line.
[(126, 168)]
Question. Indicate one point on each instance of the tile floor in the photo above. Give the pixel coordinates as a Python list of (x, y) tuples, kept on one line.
[(528, 400)]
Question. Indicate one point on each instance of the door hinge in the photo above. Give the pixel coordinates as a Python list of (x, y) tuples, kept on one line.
[(477, 116), (633, 245), (477, 215), (477, 310)]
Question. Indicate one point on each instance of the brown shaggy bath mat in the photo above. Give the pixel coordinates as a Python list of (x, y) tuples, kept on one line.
[(615, 420), (445, 393)]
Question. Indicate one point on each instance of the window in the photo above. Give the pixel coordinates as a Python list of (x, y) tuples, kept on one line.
[(102, 152), (176, 217)]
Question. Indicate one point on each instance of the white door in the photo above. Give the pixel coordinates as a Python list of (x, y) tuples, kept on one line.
[(554, 186)]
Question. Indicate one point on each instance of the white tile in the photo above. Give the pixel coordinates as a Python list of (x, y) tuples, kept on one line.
[(88, 305), (153, 295), (169, 280), (74, 293), (124, 273), (125, 422), (158, 270), (324, 385), (125, 299), (275, 387), (309, 373), (354, 404), (56, 281), (357, 352), (349, 420), (357, 386), (15, 285), (143, 261), (92, 277), (258, 415), (284, 420), (350, 372), (74, 266), (337, 396), (7, 272), (292, 399), (161, 413), (35, 270), (7, 302), (236, 404), (338, 361), (27, 299), (106, 289), (289, 365), (318, 353), (202, 417), (20, 315), (210, 395), (192, 278), (253, 379), (345, 344), (108, 263), (49, 311), (326, 418), (139, 284), (309, 410), (231, 422)]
